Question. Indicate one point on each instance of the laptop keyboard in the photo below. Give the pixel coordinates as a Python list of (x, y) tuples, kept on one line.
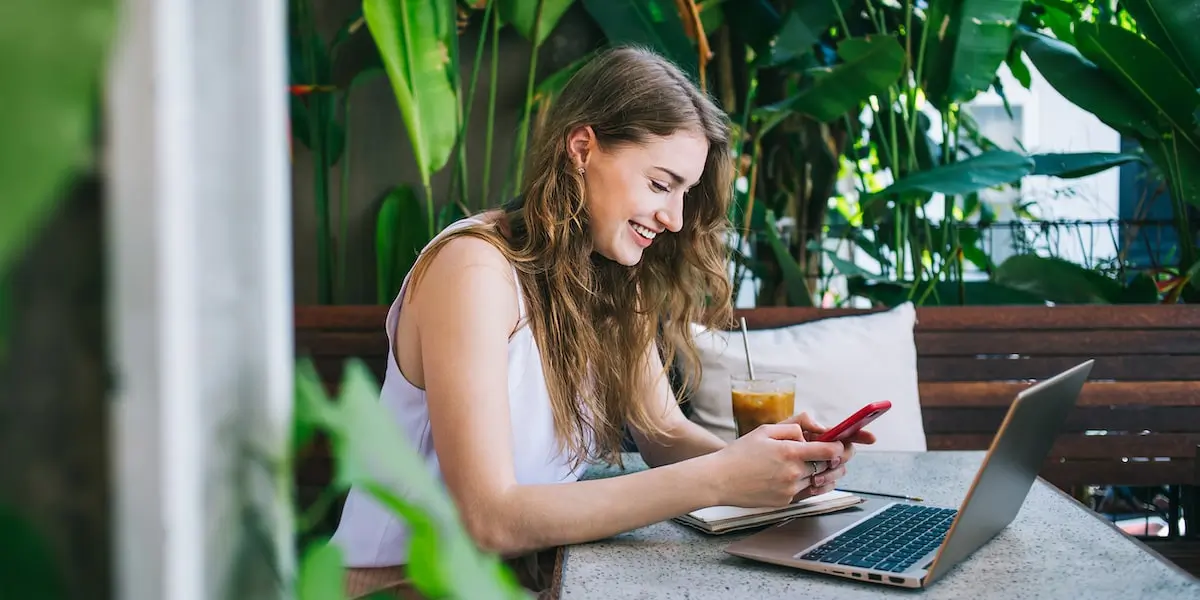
[(893, 540)]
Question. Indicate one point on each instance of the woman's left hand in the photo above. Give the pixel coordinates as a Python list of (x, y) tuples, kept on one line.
[(825, 476)]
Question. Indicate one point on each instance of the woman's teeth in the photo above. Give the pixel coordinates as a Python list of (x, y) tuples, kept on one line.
[(642, 231)]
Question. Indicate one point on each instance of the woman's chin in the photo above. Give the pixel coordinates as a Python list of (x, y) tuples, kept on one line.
[(627, 256)]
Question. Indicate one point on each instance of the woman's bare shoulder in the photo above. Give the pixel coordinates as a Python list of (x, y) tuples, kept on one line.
[(469, 278)]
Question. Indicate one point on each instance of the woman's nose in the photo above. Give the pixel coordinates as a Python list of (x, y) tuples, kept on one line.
[(671, 216)]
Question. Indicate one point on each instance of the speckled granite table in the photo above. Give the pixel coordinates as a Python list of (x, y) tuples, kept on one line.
[(1055, 548)]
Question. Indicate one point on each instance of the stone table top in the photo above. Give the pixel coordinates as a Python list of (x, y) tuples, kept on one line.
[(1055, 548)]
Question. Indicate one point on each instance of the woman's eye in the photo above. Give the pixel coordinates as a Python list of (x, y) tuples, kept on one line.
[(659, 187)]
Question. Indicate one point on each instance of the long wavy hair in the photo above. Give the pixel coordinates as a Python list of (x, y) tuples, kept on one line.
[(593, 320)]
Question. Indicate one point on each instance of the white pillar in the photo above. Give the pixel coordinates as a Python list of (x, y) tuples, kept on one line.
[(199, 233)]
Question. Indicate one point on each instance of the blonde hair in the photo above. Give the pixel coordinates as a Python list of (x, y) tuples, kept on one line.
[(594, 320)]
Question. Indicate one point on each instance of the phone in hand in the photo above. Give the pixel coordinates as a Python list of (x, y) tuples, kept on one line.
[(855, 422)]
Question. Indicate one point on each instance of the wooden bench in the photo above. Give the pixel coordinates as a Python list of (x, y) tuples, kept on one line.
[(1144, 391)]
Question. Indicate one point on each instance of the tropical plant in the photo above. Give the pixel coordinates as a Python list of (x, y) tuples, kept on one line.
[(860, 91), (1136, 70), (369, 451), (320, 113)]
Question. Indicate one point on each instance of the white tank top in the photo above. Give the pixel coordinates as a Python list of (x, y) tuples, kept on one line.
[(369, 535)]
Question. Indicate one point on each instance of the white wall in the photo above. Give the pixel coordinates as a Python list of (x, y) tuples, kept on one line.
[(1050, 124)]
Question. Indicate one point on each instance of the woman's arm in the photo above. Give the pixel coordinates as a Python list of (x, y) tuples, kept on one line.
[(681, 438), (466, 308)]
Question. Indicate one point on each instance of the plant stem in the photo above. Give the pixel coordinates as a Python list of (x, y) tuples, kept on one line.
[(491, 113), (461, 166), (533, 52), (319, 146), (343, 199)]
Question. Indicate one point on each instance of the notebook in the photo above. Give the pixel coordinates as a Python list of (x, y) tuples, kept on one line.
[(723, 519)]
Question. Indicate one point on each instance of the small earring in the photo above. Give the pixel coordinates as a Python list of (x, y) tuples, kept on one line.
[(580, 169)]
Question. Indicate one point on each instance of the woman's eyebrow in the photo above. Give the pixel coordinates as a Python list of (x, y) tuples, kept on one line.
[(676, 178)]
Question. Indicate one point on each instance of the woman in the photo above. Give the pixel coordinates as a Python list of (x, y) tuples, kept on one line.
[(524, 340)]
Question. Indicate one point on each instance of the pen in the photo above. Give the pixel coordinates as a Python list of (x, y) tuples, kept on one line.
[(914, 499)]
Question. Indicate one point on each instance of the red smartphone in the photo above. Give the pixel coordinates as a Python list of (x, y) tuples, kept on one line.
[(855, 422)]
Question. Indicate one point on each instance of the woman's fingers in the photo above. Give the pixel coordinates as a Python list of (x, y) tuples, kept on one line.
[(862, 437)]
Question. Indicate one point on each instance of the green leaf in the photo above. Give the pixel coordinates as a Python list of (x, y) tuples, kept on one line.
[(652, 23), (988, 169), (1081, 82), (6, 314), (756, 22), (1171, 25), (448, 214), (1140, 290), (1080, 164), (969, 240), (1057, 280), (870, 65), (400, 235), (27, 568), (1060, 19), (310, 410), (414, 40), (520, 14), (1179, 163), (52, 60), (793, 277), (372, 452), (1018, 68), (1145, 72), (843, 266), (549, 88), (802, 28), (973, 39), (944, 293), (321, 575)]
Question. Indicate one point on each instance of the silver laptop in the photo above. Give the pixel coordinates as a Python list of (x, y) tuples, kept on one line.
[(911, 545)]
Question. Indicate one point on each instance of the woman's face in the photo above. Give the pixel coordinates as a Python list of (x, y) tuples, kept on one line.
[(635, 193)]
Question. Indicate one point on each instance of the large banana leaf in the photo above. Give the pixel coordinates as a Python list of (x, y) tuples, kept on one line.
[(652, 23), (998, 167), (1145, 72), (1081, 82), (520, 13), (944, 293), (1081, 164), (52, 56), (973, 38), (1181, 162), (1171, 25), (399, 237), (870, 65), (988, 169), (1057, 280), (793, 277), (414, 38), (802, 28), (755, 22)]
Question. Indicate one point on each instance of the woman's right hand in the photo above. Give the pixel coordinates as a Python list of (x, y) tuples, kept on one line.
[(769, 466)]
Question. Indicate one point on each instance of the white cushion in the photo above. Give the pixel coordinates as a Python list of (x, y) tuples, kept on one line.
[(840, 363)]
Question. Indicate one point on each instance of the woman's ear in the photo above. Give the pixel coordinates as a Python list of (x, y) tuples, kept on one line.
[(580, 143)]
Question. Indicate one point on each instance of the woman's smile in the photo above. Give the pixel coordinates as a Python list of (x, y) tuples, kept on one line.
[(644, 236)]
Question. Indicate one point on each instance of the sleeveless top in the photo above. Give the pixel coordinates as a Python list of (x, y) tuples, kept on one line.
[(369, 535)]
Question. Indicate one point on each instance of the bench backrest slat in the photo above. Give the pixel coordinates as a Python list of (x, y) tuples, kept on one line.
[(971, 361)]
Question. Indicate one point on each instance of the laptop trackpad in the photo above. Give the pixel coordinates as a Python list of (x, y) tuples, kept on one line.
[(782, 542)]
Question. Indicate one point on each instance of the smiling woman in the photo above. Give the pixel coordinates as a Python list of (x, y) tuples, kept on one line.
[(525, 340)]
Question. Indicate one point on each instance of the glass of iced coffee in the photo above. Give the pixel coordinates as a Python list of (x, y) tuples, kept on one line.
[(767, 398)]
